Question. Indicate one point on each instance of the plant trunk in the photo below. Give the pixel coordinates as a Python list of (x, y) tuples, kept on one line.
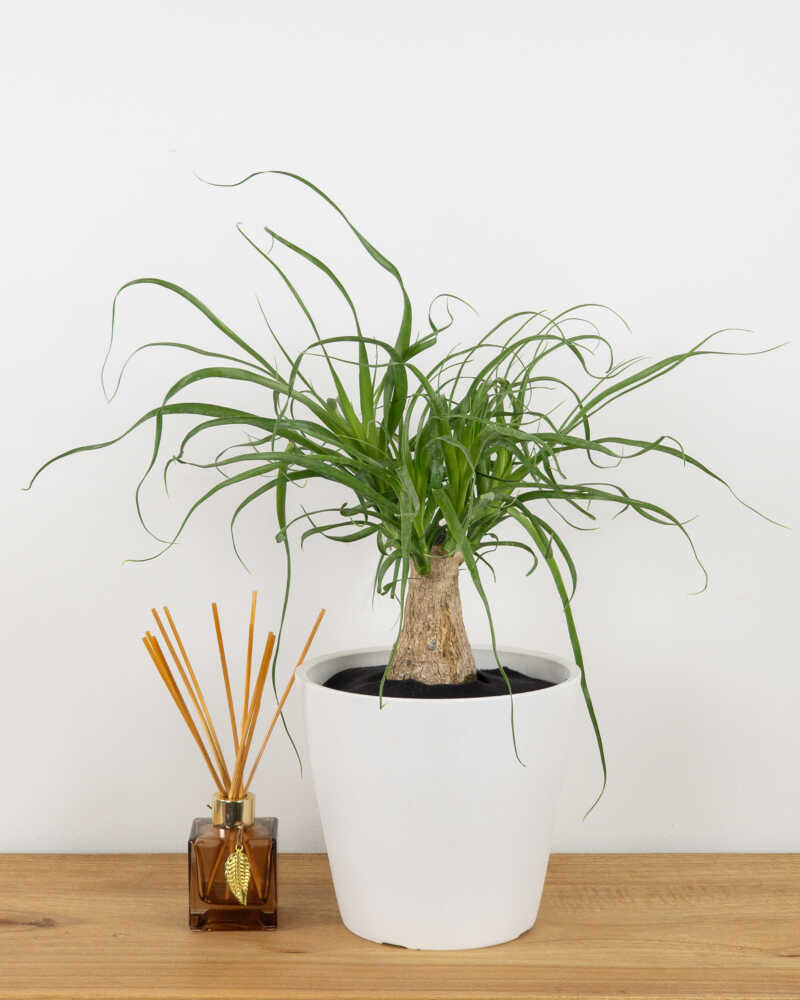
[(433, 647)]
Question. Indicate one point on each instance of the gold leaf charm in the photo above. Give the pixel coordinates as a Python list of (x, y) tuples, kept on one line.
[(237, 874)]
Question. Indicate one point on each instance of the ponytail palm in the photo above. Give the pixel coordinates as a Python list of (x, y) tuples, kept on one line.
[(436, 455)]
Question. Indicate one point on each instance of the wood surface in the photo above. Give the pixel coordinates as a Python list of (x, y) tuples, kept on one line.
[(694, 926)]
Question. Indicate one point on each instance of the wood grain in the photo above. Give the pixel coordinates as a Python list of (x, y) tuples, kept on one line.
[(636, 926)]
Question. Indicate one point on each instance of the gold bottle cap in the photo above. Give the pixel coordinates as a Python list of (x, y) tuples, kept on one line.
[(233, 812)]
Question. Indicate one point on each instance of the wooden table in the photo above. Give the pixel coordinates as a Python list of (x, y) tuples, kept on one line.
[(637, 926)]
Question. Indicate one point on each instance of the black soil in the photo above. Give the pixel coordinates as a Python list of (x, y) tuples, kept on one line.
[(490, 684)]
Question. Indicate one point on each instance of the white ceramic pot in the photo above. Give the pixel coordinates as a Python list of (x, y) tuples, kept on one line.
[(437, 836)]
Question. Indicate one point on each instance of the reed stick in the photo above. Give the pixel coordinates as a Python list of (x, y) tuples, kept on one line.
[(223, 849), (192, 695), (226, 678), (246, 704), (250, 725), (229, 784), (158, 658), (187, 663), (282, 702), (255, 706)]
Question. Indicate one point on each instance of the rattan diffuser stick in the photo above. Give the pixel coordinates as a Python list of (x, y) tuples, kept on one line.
[(229, 781), (153, 648), (225, 676), (284, 696)]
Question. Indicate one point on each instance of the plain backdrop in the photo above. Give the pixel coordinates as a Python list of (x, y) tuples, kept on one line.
[(522, 155)]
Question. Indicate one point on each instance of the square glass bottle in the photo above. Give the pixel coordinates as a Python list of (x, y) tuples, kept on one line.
[(233, 877)]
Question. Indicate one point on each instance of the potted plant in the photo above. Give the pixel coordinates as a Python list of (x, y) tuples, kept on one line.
[(437, 811)]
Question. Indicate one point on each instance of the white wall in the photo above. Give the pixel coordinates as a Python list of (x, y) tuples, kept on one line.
[(520, 154)]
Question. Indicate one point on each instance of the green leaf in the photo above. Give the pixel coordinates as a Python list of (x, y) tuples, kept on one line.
[(544, 547)]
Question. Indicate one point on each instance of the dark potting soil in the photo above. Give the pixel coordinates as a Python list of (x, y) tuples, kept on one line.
[(490, 684)]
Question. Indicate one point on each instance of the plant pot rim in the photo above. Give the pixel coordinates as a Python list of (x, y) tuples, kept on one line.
[(309, 674)]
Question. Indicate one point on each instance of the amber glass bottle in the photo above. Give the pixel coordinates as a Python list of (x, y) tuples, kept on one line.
[(233, 878)]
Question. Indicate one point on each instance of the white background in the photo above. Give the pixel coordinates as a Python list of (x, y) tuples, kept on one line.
[(520, 154)]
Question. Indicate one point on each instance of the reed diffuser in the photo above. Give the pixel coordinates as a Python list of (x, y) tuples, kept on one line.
[(233, 882)]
